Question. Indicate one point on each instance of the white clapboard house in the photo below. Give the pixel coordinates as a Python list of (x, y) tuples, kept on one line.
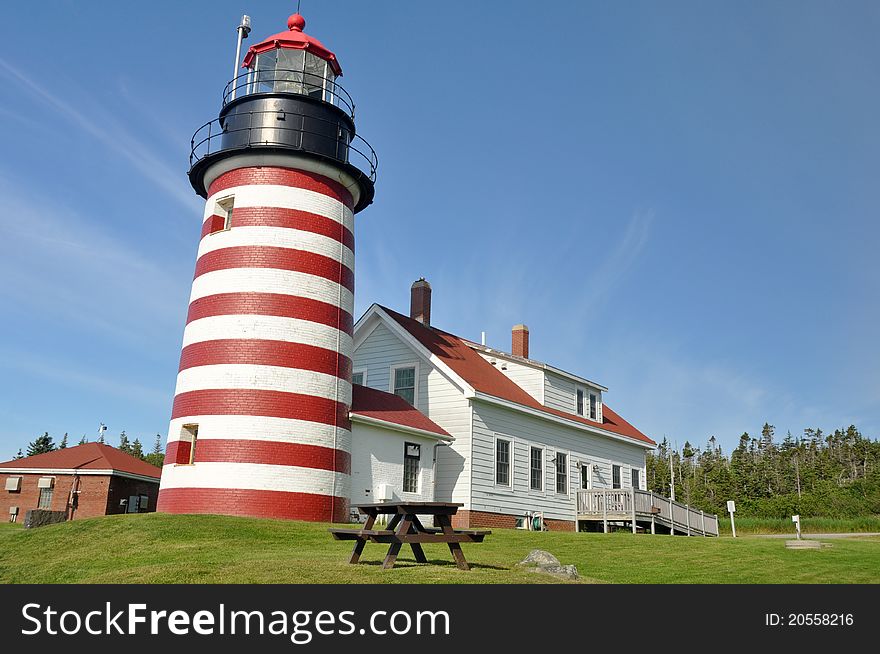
[(504, 435)]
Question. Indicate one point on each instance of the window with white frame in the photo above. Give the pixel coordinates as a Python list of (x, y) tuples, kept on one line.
[(594, 407), (411, 457), (404, 383), (536, 468), (634, 475), (222, 218), (359, 377), (502, 461), (580, 401), (615, 476), (562, 473), (586, 476)]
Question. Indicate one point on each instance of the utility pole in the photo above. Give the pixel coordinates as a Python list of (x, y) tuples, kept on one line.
[(671, 479)]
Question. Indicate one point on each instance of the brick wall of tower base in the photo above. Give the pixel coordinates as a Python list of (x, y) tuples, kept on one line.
[(255, 504), (467, 519)]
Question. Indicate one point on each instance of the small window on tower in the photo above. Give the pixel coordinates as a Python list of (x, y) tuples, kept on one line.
[(186, 448), (224, 210)]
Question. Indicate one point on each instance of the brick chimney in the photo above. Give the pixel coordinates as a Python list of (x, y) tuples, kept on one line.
[(520, 341), (420, 301)]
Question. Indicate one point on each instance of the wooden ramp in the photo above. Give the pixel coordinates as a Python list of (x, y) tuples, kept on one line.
[(644, 509)]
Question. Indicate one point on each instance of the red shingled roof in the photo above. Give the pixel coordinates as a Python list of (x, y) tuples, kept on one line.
[(391, 408), (486, 378), (89, 456)]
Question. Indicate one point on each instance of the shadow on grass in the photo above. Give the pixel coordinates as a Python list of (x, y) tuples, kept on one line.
[(412, 563)]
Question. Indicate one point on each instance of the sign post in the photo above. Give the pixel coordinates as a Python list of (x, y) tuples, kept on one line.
[(796, 519), (731, 509)]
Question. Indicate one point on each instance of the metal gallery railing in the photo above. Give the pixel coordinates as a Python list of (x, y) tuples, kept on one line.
[(287, 80), (283, 129)]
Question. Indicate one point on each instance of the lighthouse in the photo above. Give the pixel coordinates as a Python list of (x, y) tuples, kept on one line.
[(260, 419)]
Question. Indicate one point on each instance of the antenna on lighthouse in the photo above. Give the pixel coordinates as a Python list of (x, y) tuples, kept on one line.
[(243, 30)]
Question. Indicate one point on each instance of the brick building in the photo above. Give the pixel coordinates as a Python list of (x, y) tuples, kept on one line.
[(85, 481)]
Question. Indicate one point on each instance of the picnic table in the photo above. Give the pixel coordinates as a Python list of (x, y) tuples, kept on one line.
[(405, 528)]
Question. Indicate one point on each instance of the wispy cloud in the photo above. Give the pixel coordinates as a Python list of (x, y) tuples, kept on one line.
[(107, 131), (104, 382), (665, 390), (616, 264), (59, 265)]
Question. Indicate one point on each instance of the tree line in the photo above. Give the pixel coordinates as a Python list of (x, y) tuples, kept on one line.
[(45, 443), (834, 475)]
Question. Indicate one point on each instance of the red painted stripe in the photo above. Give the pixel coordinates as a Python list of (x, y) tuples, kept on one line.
[(177, 452), (266, 353), (263, 256), (254, 503), (213, 224), (287, 219), (271, 304), (256, 402), (282, 177), (228, 450)]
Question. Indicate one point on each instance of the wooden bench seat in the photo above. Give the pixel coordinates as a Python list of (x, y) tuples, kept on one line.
[(354, 534)]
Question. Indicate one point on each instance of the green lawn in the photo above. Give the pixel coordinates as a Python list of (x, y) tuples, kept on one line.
[(157, 548)]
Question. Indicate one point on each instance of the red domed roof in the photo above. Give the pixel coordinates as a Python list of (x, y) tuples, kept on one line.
[(295, 39)]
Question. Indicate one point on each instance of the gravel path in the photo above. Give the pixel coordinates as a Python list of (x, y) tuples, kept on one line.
[(818, 536)]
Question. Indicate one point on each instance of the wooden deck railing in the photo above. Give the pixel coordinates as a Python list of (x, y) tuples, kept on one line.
[(634, 505)]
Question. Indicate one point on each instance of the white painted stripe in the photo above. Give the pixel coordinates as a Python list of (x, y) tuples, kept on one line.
[(264, 378), (271, 280), (259, 428), (283, 197), (279, 237), (256, 476), (270, 328)]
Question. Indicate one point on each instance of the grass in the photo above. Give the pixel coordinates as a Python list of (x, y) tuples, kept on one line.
[(157, 548), (808, 525)]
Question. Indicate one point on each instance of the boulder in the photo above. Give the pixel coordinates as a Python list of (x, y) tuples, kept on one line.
[(540, 558), (545, 563)]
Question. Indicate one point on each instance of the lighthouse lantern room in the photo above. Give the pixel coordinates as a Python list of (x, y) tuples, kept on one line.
[(260, 420)]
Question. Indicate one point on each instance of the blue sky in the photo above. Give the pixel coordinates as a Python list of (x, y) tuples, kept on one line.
[(680, 199)]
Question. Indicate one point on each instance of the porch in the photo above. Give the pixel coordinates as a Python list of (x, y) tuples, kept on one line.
[(644, 509)]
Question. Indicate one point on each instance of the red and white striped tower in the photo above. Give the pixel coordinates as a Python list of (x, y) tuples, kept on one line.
[(260, 423)]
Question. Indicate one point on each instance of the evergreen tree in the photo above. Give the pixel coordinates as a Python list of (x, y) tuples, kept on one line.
[(19, 455), (823, 475), (63, 444), (41, 445), (124, 445), (83, 440), (157, 456), (137, 449)]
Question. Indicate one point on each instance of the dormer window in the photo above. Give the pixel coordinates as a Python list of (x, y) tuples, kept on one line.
[(594, 407), (580, 402)]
